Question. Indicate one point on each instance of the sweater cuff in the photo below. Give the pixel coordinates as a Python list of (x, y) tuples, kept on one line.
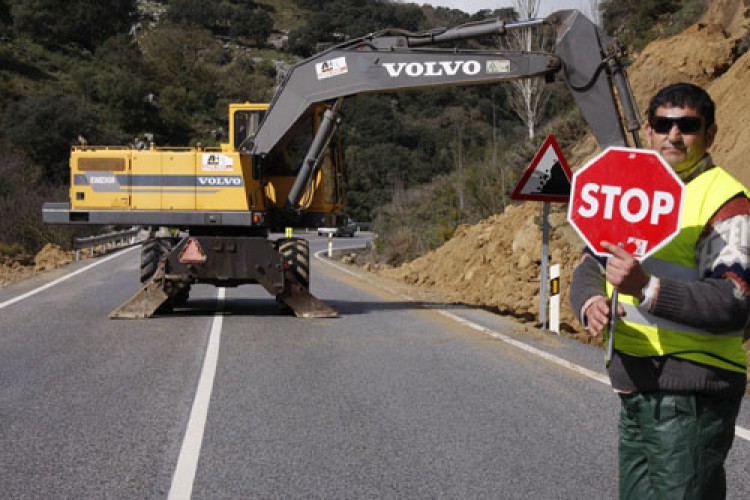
[(649, 293)]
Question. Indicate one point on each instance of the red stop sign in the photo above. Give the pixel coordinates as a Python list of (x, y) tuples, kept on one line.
[(626, 196)]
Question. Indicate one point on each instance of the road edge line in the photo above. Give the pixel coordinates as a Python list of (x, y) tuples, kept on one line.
[(59, 280)]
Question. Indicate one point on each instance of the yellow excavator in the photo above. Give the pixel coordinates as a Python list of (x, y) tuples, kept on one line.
[(283, 165)]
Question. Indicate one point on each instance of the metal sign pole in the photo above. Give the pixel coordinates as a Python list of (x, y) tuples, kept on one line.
[(612, 323), (545, 259)]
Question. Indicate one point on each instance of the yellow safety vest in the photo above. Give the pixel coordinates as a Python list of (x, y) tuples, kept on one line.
[(643, 334)]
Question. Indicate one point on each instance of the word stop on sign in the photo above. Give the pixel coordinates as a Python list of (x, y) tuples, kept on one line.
[(635, 205)]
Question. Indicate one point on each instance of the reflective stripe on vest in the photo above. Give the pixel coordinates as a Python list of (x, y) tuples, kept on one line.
[(643, 334)]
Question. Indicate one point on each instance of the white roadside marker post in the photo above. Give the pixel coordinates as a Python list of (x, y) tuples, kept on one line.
[(554, 298)]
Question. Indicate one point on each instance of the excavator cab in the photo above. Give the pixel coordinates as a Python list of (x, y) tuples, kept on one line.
[(244, 120)]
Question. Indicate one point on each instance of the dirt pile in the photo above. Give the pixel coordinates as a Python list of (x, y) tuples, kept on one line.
[(732, 92), (496, 263), (51, 257), (700, 54), (22, 266), (15, 268), (730, 14)]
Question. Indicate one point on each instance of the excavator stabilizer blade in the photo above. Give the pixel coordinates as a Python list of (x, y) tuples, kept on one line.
[(306, 305), (143, 304)]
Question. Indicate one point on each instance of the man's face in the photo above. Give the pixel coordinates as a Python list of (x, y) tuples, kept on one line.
[(682, 149)]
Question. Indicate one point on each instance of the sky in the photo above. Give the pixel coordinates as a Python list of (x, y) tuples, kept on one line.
[(472, 6)]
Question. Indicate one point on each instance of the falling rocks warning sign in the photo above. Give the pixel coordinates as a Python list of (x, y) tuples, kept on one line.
[(548, 176)]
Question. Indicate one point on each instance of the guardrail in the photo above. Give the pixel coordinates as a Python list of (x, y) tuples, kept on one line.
[(106, 242)]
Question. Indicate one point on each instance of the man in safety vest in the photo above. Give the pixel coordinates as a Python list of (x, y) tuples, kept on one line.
[(678, 363)]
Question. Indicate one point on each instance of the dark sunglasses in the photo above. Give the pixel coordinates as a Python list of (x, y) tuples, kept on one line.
[(686, 124)]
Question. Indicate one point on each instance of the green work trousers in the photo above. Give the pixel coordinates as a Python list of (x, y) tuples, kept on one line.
[(673, 446)]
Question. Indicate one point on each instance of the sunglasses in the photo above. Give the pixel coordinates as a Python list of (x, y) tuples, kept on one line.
[(686, 124)]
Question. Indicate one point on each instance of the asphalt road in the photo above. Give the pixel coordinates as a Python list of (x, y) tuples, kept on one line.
[(231, 399)]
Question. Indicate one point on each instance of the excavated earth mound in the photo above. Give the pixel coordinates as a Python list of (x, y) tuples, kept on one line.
[(23, 266)]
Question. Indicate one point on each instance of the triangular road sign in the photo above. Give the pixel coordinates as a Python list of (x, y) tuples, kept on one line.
[(548, 176), (192, 253)]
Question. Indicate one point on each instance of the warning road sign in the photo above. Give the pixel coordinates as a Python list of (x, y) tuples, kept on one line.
[(548, 176)]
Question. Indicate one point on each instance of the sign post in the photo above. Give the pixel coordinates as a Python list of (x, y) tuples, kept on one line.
[(548, 180), (544, 266), (628, 197)]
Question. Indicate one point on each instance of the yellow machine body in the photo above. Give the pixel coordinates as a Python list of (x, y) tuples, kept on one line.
[(202, 178)]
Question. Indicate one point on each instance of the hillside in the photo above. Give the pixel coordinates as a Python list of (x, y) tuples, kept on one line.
[(496, 263)]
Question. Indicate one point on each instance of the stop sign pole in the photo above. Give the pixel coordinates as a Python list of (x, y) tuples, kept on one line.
[(628, 197)]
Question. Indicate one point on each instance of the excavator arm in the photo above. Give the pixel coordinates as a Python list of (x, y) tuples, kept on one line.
[(392, 61)]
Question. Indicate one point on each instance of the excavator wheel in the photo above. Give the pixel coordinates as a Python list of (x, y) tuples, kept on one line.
[(152, 252), (296, 296), (296, 252)]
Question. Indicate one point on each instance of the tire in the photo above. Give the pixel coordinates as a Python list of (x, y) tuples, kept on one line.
[(296, 252), (152, 252)]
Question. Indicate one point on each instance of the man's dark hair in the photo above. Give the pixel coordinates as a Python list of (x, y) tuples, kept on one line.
[(682, 95)]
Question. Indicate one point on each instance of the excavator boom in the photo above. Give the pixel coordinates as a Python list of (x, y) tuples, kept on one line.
[(394, 61)]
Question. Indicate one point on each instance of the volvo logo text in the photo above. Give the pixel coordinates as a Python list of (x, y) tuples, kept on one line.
[(433, 68), (102, 180), (219, 181)]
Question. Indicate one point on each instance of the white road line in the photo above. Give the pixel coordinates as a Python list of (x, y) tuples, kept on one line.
[(63, 278), (740, 432), (187, 462)]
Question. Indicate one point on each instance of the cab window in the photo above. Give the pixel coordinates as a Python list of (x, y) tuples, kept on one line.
[(246, 124)]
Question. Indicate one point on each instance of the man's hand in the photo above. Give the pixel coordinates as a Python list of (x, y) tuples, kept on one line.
[(597, 314), (624, 271)]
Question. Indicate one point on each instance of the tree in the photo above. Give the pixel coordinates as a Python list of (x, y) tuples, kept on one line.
[(120, 79), (341, 20), (528, 96), (85, 23), (5, 19), (195, 12), (595, 12), (23, 189), (633, 22), (186, 62), (255, 24), (44, 128)]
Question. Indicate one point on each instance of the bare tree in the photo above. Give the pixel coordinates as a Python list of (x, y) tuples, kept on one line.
[(594, 13), (528, 96)]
